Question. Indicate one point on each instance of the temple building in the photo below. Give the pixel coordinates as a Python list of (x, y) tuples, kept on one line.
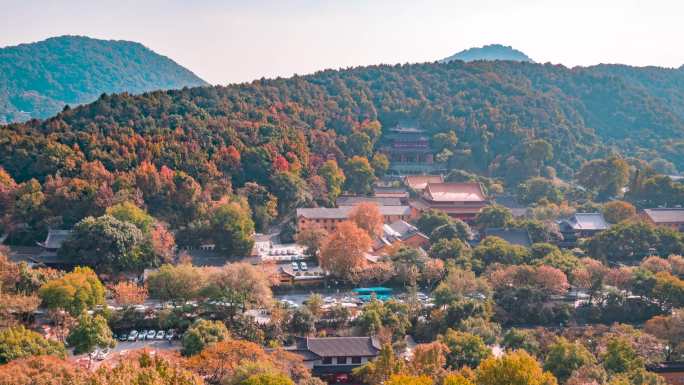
[(409, 152), (459, 200)]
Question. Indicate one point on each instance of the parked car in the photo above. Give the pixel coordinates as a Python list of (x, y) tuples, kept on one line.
[(133, 336), (295, 266), (151, 334), (122, 337), (142, 335), (171, 334), (160, 335), (303, 266)]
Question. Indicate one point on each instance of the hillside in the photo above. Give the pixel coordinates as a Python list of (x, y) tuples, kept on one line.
[(177, 150), (37, 80), (489, 52)]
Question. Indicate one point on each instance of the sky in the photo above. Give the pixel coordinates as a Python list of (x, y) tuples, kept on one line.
[(238, 41)]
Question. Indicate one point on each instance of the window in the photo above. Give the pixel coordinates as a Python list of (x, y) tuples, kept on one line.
[(356, 360), (341, 360), (327, 360)]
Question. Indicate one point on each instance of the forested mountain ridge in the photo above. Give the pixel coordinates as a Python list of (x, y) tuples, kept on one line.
[(176, 151), (38, 79)]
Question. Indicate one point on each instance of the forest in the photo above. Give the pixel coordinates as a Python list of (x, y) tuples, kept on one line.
[(282, 142)]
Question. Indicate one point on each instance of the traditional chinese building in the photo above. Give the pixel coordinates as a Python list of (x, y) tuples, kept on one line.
[(458, 200), (329, 218), (408, 149)]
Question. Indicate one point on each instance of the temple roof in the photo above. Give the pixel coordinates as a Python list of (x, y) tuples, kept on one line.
[(454, 192)]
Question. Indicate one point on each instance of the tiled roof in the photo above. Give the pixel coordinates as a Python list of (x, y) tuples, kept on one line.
[(513, 236), (588, 221), (419, 182), (55, 238), (343, 212), (342, 346), (454, 192), (666, 215), (355, 200)]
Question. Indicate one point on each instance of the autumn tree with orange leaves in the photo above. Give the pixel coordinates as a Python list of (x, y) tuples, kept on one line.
[(367, 216), (128, 293), (343, 251)]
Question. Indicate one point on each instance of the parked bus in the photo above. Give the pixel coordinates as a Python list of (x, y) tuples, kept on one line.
[(366, 293)]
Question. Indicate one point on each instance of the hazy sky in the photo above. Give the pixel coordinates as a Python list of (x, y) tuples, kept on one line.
[(234, 41)]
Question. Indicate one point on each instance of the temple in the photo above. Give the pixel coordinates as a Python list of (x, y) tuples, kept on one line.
[(459, 200), (408, 149)]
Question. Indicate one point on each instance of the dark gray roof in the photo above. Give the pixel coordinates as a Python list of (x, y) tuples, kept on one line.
[(666, 215), (349, 200), (513, 236), (342, 346), (55, 238)]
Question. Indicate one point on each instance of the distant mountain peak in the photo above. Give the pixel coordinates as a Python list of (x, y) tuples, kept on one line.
[(38, 79), (489, 52)]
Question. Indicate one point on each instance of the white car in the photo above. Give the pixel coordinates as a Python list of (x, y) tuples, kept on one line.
[(303, 266), (151, 334), (133, 336), (160, 335), (295, 266)]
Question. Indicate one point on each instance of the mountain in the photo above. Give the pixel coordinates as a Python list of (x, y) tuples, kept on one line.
[(489, 52), (37, 80), (494, 108)]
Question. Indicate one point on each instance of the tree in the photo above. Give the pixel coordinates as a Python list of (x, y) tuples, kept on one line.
[(263, 204), (343, 251), (620, 357), (91, 332), (565, 357), (496, 250), (428, 359), (19, 342), (403, 379), (360, 175), (129, 212), (493, 216), (203, 333), (315, 304), (632, 241), (669, 328), (106, 244), (240, 286), (539, 190), (515, 368), (604, 176), (525, 339), (668, 291), (464, 349), (179, 283), (460, 284), (42, 370), (454, 229), (449, 249), (143, 368), (290, 190), (380, 164), (312, 238), (334, 179), (432, 219), (536, 153), (368, 217), (302, 322), (378, 371), (618, 211), (128, 293), (74, 292), (232, 229), (268, 379), (225, 362)]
